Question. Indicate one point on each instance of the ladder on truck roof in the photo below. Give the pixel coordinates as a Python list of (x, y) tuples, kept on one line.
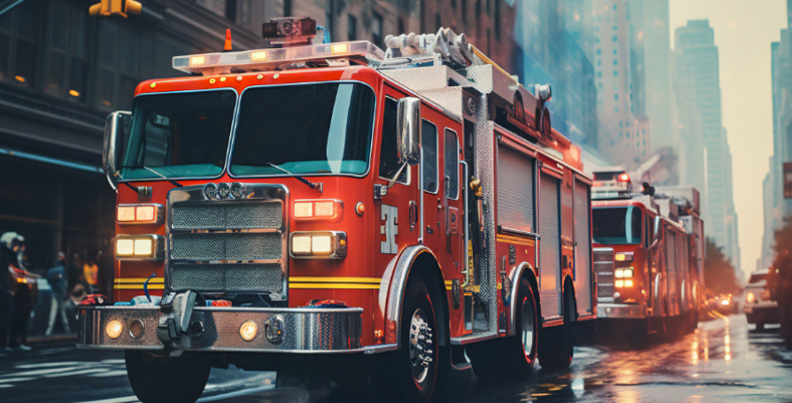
[(440, 65)]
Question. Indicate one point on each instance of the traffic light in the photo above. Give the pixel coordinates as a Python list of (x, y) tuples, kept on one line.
[(107, 8)]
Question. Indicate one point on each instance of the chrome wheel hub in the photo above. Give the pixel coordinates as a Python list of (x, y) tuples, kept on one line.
[(421, 346), (527, 331)]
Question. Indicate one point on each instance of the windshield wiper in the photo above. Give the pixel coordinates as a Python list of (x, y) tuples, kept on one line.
[(177, 184), (317, 186)]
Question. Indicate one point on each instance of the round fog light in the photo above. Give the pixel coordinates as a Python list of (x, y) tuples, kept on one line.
[(136, 329), (114, 329), (248, 330)]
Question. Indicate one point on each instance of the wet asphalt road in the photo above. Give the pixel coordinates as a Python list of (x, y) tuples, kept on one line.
[(721, 361)]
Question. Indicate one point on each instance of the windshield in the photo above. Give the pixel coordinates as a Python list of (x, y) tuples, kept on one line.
[(177, 135), (322, 128), (617, 225)]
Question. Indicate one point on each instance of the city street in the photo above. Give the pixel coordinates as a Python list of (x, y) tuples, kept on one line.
[(721, 361)]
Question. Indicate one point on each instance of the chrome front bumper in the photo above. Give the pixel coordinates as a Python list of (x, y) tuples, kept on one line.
[(304, 330), (620, 311)]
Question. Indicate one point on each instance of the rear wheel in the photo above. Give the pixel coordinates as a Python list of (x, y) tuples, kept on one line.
[(512, 357), (556, 348), (158, 378)]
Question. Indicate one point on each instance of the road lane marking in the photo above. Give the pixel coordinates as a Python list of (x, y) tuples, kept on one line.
[(127, 399), (74, 373), (49, 364), (50, 371), (110, 373), (19, 379), (231, 395)]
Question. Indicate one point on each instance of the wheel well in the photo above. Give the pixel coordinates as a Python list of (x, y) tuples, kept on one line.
[(569, 294), (428, 270)]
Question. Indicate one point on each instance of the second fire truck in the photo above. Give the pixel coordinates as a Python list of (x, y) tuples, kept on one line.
[(657, 284), (306, 207)]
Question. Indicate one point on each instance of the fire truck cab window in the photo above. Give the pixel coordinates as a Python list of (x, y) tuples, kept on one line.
[(429, 151), (389, 157), (451, 164), (322, 128), (177, 135), (617, 225)]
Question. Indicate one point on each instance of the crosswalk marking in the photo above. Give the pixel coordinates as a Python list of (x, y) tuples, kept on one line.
[(83, 372), (48, 364), (110, 373)]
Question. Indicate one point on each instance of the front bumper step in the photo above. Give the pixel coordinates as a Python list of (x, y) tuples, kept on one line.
[(303, 330)]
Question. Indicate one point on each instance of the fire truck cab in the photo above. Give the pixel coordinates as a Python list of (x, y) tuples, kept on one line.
[(654, 285), (308, 207)]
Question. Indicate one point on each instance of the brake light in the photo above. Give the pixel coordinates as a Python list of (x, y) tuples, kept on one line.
[(317, 209), (624, 177)]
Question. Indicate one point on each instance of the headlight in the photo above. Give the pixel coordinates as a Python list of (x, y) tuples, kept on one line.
[(623, 257), (320, 209), (624, 273), (750, 297), (318, 245), (139, 214), (139, 247)]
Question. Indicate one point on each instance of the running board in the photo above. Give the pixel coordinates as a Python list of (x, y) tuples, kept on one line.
[(473, 338)]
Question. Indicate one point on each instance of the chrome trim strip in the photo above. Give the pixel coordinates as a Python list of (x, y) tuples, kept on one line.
[(503, 229), (515, 284), (473, 338), (381, 348), (399, 283)]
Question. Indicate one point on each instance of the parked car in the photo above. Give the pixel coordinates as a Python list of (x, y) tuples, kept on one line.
[(759, 308)]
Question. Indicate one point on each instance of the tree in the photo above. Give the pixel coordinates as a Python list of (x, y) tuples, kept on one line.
[(718, 271)]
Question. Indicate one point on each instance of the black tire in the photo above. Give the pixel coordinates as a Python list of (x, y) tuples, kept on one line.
[(156, 378), (417, 382), (556, 346), (510, 358)]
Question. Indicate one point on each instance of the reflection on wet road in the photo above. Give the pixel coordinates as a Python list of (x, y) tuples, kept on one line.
[(720, 361)]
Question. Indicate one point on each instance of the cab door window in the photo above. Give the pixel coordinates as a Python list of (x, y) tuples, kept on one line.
[(429, 151), (389, 157), (451, 164)]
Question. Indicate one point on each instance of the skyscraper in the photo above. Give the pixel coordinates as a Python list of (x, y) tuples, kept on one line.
[(776, 208), (697, 63), (623, 137)]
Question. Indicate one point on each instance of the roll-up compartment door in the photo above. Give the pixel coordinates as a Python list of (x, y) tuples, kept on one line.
[(582, 258), (515, 190), (550, 248)]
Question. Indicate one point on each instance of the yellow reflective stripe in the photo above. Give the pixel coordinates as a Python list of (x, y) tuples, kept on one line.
[(311, 279), (139, 280), (138, 286), (351, 286), (517, 240)]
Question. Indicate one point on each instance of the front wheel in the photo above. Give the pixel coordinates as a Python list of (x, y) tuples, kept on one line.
[(418, 356), (157, 378)]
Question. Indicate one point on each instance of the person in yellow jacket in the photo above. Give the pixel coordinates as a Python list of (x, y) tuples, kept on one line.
[(91, 276)]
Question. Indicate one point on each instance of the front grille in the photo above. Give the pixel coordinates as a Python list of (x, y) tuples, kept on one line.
[(231, 245), (604, 266), (229, 215), (222, 277), (226, 246)]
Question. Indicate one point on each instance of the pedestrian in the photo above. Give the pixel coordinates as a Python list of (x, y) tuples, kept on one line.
[(7, 261), (91, 276), (77, 287), (21, 291), (56, 277)]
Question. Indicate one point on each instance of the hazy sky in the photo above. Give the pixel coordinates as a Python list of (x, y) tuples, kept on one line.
[(743, 33)]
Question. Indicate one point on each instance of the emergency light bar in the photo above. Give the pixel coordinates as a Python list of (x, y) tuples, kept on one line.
[(264, 59)]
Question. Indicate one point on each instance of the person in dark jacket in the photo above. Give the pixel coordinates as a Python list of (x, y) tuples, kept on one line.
[(56, 277), (8, 259)]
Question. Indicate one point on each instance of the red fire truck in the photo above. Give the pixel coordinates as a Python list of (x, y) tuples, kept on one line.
[(656, 284), (316, 206)]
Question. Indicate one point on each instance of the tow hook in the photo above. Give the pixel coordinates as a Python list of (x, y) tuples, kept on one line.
[(177, 326)]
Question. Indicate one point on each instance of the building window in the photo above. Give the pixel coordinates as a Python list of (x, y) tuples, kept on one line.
[(599, 51), (597, 39), (351, 27), (599, 74), (615, 28), (376, 30), (599, 63), (19, 44), (615, 51), (287, 8), (615, 62), (616, 97), (615, 73), (616, 109), (614, 38), (231, 10), (621, 124), (67, 67)]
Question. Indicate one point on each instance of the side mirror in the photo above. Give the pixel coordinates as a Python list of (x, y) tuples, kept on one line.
[(408, 130), (117, 122)]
